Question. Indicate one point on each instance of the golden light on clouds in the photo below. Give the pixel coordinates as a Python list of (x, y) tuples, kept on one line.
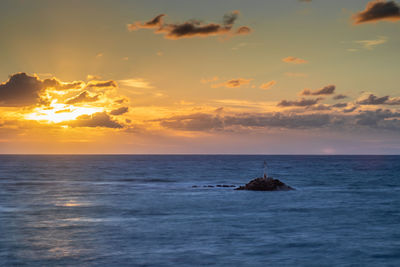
[(136, 83), (195, 73), (57, 112)]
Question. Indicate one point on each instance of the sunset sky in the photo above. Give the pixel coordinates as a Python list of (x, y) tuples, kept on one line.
[(271, 77)]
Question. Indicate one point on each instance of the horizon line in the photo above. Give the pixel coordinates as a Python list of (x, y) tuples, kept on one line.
[(183, 154)]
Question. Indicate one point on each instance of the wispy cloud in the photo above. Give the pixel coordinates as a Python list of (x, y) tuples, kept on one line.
[(268, 85), (371, 44), (209, 80), (234, 83), (294, 60), (136, 83)]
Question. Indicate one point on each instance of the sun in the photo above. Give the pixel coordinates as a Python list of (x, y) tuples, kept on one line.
[(57, 112)]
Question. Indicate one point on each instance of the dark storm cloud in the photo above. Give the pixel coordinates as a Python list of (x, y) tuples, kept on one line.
[(327, 90), (82, 97), (119, 111), (192, 28), (99, 119), (378, 10), (299, 103)]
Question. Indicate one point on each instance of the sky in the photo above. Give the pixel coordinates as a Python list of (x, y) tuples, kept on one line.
[(200, 77)]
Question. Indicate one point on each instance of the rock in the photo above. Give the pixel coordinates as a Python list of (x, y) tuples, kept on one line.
[(218, 185), (265, 184)]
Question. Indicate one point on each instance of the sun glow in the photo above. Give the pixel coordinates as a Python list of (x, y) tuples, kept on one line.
[(57, 112)]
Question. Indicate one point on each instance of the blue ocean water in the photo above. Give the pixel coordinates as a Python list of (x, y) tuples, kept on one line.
[(141, 210)]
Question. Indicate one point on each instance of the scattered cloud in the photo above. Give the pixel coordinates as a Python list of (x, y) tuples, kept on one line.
[(20, 90), (299, 103), (349, 110), (371, 44), (24, 90), (268, 85), (340, 105), (212, 122), (376, 117), (98, 119), (378, 10), (101, 84), (136, 83), (208, 80), (93, 77), (192, 28), (294, 60), (154, 23), (216, 121), (82, 97), (234, 83), (339, 96), (119, 111), (193, 122), (327, 90), (371, 99)]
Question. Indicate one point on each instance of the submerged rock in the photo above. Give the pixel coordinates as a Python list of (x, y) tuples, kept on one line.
[(218, 185), (265, 184)]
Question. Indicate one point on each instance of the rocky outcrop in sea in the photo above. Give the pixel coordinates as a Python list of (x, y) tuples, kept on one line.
[(265, 184)]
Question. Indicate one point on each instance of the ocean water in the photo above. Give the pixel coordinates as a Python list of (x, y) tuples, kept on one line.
[(142, 210)]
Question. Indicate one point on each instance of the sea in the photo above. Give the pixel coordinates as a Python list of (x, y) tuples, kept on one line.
[(165, 210)]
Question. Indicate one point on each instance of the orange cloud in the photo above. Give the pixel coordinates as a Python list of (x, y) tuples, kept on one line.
[(192, 28), (234, 83), (327, 90), (268, 85), (376, 11), (294, 60), (82, 97)]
